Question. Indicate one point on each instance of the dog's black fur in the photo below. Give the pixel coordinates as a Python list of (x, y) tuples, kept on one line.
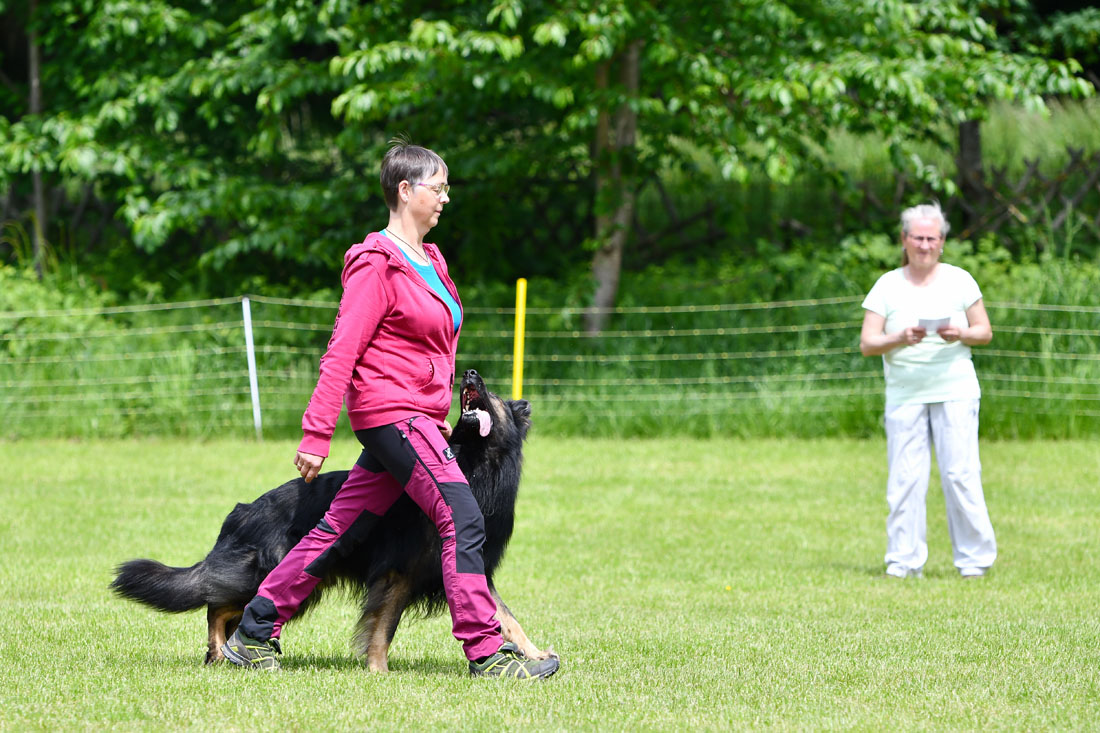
[(397, 565)]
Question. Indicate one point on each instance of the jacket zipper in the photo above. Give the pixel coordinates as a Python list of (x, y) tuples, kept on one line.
[(453, 290)]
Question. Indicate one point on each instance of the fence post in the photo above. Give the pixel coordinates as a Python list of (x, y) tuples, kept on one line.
[(517, 352), (253, 384)]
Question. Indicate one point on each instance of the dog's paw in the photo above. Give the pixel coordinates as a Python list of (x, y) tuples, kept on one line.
[(539, 655)]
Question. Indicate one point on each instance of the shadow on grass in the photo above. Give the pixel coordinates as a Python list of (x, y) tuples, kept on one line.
[(423, 666), (878, 572), (438, 665)]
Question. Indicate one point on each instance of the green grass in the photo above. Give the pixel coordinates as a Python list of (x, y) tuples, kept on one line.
[(750, 373), (687, 584)]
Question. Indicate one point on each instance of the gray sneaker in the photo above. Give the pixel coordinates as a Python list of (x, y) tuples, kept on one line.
[(247, 652), (509, 661)]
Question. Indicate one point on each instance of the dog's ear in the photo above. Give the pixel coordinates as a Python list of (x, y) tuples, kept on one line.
[(521, 415)]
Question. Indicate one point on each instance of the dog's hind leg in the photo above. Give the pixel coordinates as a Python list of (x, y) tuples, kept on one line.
[(513, 632), (386, 601), (220, 624)]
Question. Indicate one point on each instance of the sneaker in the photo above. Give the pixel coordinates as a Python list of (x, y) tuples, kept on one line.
[(244, 651), (897, 571), (509, 661), (972, 573)]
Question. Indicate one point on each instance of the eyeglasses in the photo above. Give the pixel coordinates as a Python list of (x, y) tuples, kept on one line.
[(437, 188), (924, 240)]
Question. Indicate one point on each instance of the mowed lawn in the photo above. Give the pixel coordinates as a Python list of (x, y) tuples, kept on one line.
[(686, 584)]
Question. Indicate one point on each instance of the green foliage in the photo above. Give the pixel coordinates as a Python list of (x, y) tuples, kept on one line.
[(21, 292), (239, 141), (692, 214), (695, 349), (1075, 34), (678, 360), (73, 363)]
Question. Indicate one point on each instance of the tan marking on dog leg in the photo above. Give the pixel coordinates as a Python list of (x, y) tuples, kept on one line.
[(377, 627), (220, 623), (513, 632)]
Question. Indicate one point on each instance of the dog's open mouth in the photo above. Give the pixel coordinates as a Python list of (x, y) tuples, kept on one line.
[(474, 400), (471, 398), (473, 395)]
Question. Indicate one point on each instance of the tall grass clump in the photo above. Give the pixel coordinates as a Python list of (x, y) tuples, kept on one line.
[(1011, 135), (718, 348), (75, 363), (855, 185)]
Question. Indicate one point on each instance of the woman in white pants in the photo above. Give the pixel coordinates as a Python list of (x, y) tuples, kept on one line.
[(922, 318)]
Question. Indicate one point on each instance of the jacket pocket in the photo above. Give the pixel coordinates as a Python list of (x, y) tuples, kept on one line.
[(433, 390), (426, 376)]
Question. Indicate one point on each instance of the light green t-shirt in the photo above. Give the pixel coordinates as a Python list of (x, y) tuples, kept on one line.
[(933, 370)]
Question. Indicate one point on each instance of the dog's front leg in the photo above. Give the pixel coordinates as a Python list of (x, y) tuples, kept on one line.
[(386, 601), (513, 632)]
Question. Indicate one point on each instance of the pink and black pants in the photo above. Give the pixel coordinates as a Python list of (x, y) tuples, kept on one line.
[(407, 457)]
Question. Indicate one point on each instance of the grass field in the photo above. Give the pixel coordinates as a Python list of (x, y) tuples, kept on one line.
[(687, 584)]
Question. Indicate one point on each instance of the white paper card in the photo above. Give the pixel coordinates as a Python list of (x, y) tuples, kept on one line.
[(933, 324)]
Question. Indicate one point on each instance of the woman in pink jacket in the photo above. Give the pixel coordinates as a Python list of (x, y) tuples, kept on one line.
[(391, 359)]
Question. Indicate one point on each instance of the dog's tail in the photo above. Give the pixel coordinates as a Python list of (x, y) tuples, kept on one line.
[(157, 585)]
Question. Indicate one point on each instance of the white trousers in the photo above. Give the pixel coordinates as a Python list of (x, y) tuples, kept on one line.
[(910, 432)]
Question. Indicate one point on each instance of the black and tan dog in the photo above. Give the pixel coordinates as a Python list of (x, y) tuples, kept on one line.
[(395, 567)]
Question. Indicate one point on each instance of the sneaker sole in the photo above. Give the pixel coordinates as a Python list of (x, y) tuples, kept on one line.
[(543, 676), (236, 659)]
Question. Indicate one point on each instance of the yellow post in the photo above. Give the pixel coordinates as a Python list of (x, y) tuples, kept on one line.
[(517, 353)]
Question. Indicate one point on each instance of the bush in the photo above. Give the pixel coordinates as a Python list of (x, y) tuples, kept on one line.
[(695, 348)]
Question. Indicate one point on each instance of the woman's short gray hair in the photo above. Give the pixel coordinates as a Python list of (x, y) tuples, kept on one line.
[(924, 211), (407, 162)]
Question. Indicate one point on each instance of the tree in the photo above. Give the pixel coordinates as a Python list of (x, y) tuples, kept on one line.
[(33, 101), (1051, 30), (756, 85), (247, 135)]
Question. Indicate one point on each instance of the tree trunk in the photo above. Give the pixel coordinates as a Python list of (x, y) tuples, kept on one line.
[(35, 78), (615, 194), (970, 174)]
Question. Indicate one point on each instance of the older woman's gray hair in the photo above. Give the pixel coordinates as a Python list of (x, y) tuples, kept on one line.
[(924, 211), (916, 213)]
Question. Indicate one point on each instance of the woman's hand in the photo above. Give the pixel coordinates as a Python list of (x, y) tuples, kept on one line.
[(950, 334), (913, 335), (978, 333), (308, 465), (445, 428), (873, 342)]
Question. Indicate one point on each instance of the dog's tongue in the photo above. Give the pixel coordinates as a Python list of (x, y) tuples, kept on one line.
[(484, 422)]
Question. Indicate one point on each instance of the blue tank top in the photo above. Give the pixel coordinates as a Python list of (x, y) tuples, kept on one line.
[(431, 277)]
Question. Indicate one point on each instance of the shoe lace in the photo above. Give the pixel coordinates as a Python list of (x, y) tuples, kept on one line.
[(517, 663)]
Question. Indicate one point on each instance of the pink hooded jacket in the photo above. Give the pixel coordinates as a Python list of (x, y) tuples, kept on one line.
[(392, 351)]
